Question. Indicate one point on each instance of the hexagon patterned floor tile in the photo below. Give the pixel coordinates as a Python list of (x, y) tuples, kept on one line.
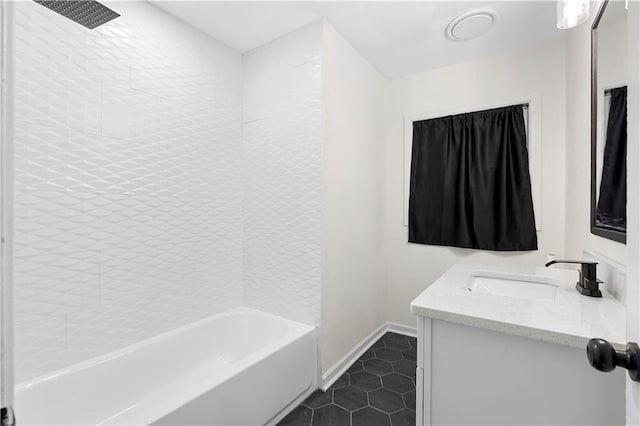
[(378, 389)]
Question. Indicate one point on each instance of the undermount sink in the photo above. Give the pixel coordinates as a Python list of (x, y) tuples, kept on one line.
[(506, 284)]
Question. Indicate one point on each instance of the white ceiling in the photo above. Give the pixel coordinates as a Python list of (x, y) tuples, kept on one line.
[(398, 38)]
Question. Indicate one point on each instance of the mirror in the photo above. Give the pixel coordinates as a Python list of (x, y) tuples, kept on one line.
[(609, 122)]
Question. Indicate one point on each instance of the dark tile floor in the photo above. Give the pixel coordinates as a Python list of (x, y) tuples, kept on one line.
[(378, 389)]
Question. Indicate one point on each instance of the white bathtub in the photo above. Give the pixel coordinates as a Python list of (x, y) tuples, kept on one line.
[(241, 367)]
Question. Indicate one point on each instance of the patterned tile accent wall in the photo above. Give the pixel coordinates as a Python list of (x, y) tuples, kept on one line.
[(128, 182), (283, 175)]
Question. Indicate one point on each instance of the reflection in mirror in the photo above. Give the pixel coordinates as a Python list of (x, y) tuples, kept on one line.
[(611, 210), (609, 122)]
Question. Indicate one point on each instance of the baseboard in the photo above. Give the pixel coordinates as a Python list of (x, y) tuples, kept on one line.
[(340, 367), (402, 329)]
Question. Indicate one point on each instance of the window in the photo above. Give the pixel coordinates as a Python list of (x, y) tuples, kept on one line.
[(470, 182), (532, 124)]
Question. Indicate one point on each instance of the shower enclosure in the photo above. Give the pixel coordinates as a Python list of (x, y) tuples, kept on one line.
[(153, 177), (138, 186)]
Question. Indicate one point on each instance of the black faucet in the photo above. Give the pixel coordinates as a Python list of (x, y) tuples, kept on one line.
[(588, 282)]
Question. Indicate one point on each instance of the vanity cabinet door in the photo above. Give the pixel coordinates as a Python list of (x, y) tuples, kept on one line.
[(478, 376)]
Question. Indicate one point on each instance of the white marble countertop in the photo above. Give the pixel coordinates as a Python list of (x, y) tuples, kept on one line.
[(570, 319)]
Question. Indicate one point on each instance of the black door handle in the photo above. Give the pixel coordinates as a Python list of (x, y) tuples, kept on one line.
[(603, 356)]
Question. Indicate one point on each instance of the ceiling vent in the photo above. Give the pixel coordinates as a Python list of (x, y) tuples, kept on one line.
[(471, 25)]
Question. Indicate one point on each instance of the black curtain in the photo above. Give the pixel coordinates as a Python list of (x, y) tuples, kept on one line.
[(612, 203), (470, 184)]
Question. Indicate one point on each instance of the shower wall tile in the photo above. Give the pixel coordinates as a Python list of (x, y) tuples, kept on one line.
[(282, 135), (128, 186)]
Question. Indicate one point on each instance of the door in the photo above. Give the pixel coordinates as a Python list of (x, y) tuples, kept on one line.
[(633, 208), (6, 138)]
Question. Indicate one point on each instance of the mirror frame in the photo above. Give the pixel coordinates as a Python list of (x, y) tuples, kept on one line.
[(610, 234)]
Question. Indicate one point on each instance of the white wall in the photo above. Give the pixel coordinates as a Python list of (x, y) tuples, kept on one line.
[(612, 72), (282, 163), (353, 104), (127, 182), (499, 80), (578, 136), (613, 67)]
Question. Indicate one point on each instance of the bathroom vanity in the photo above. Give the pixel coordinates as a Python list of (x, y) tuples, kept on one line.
[(499, 345)]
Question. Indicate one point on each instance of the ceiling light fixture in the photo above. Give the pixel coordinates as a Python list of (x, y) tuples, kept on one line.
[(471, 25), (571, 13)]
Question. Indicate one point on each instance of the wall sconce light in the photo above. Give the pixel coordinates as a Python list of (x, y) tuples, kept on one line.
[(572, 13)]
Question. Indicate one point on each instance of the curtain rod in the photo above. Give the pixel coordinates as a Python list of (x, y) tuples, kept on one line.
[(524, 106)]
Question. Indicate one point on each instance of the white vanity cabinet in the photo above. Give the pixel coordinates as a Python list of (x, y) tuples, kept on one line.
[(473, 376), (489, 360)]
